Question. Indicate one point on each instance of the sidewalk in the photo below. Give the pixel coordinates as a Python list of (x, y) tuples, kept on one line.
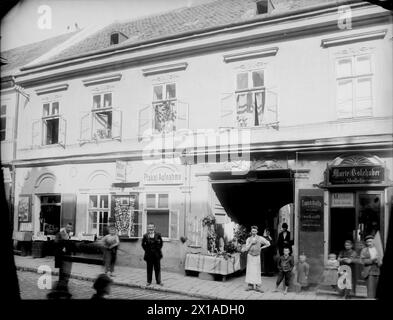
[(233, 288)]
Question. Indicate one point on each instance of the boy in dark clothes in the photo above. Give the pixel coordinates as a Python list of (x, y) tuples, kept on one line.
[(285, 266)]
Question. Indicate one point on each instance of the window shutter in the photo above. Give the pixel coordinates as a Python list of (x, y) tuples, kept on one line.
[(85, 133), (271, 108), (364, 97), (182, 115), (68, 209), (116, 124), (228, 111), (174, 224), (9, 126), (344, 98), (36, 133), (145, 122), (62, 131)]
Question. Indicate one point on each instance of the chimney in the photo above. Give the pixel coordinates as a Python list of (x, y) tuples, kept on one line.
[(264, 6)]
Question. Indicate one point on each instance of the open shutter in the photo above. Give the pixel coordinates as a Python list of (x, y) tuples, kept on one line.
[(228, 111), (182, 115), (36, 133), (145, 122), (271, 109), (116, 124), (62, 131), (174, 225), (85, 133), (9, 126), (68, 209)]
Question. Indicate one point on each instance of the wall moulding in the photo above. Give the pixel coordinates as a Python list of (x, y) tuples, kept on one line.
[(102, 79), (164, 68), (50, 89), (365, 36), (250, 54)]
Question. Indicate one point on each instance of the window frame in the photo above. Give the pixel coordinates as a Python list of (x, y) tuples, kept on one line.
[(103, 109), (172, 101), (98, 210), (354, 78), (49, 117), (4, 116), (156, 208), (251, 89)]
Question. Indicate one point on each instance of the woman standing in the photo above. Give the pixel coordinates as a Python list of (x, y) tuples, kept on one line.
[(254, 244), (284, 239), (267, 255), (371, 263), (348, 257)]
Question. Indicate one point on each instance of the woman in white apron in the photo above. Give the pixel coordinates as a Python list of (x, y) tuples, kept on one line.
[(254, 245)]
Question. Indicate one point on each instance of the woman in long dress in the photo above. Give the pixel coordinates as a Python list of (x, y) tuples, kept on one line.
[(254, 245)]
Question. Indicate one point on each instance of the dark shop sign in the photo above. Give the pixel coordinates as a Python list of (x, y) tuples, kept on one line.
[(311, 213), (356, 175)]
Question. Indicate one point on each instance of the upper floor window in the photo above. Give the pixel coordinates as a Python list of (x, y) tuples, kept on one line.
[(354, 86), (103, 121), (50, 119), (252, 104), (3, 124), (165, 114), (51, 128)]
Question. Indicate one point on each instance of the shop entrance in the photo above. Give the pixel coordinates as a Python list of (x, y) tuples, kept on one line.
[(354, 215), (50, 214), (256, 197)]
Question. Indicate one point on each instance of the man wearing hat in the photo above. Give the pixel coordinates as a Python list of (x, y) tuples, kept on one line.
[(371, 261)]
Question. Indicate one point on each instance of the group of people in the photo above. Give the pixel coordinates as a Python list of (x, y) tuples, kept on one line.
[(342, 272), (151, 244), (256, 244)]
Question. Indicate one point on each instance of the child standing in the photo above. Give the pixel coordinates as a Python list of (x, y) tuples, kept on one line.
[(285, 266), (303, 269), (111, 242)]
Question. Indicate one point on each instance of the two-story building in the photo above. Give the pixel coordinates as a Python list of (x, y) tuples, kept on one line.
[(258, 112)]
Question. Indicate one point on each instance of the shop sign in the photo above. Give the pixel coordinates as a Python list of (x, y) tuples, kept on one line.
[(356, 175), (163, 174), (343, 200), (311, 213)]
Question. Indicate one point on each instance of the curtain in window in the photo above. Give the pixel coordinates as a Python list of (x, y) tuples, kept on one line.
[(245, 109)]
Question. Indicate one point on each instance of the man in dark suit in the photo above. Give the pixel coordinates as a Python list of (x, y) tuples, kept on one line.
[(152, 244)]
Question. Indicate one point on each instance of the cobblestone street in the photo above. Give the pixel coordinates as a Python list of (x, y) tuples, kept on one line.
[(83, 290)]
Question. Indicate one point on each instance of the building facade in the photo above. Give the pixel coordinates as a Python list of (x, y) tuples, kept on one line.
[(279, 115)]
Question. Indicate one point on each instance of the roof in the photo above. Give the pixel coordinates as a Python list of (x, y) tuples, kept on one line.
[(14, 59), (218, 13)]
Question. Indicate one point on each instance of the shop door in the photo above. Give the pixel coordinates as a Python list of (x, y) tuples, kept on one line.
[(50, 214), (370, 214)]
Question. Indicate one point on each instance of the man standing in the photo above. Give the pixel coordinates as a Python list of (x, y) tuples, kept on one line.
[(152, 244), (63, 249)]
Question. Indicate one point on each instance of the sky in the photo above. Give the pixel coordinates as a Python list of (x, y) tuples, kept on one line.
[(35, 20)]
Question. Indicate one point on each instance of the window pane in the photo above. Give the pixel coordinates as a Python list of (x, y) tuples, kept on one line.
[(93, 201), (3, 123), (171, 91), (160, 220), (257, 78), (3, 110), (363, 65), (97, 101), (108, 100), (52, 131), (345, 91), (242, 81), (55, 108), (163, 201), (104, 202), (45, 109), (344, 68), (150, 200), (157, 91), (364, 97), (92, 226)]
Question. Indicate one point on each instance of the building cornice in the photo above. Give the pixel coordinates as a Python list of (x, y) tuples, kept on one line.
[(365, 36), (261, 32)]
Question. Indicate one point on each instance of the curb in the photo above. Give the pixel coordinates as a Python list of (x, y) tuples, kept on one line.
[(130, 285)]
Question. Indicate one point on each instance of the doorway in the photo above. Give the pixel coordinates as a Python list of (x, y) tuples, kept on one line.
[(50, 214)]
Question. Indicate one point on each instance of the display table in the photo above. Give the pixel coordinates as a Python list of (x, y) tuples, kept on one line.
[(215, 265)]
